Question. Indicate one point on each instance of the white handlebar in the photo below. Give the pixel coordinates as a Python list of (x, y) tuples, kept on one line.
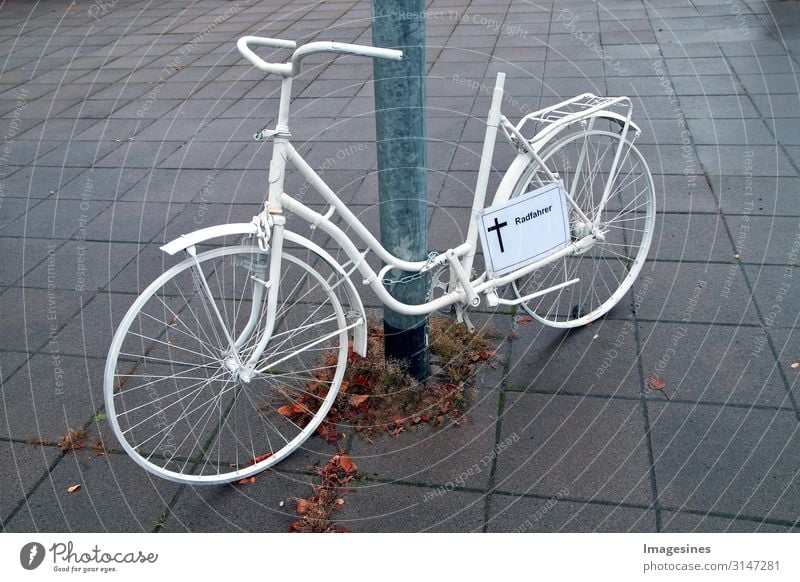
[(292, 68)]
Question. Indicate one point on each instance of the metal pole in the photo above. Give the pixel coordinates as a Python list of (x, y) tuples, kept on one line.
[(402, 183)]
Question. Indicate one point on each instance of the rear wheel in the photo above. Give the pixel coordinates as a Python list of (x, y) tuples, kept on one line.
[(607, 270)]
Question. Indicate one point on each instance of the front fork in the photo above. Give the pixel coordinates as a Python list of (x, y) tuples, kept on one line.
[(269, 286)]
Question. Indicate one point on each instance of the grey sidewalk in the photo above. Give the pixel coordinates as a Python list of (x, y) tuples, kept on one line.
[(125, 124)]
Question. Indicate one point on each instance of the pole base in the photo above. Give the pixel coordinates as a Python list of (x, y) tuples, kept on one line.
[(410, 345)]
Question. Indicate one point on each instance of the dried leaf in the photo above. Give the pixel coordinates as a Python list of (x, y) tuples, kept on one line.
[(795, 365), (359, 399), (246, 481), (302, 506), (340, 501), (288, 410), (655, 383), (74, 488), (524, 319), (346, 464), (258, 459)]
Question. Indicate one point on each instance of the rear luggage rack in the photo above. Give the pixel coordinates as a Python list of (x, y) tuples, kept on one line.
[(555, 118)]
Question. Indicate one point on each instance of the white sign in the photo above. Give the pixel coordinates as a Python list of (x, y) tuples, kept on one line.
[(524, 229)]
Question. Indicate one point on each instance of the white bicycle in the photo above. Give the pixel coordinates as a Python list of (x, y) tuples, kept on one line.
[(205, 372)]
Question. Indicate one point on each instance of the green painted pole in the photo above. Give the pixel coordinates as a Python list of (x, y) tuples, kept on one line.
[(402, 183)]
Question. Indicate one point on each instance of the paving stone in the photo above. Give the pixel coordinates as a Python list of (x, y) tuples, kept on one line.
[(25, 466), (116, 495), (529, 515), (721, 365), (774, 84), (764, 195), (387, 507), (728, 460), (54, 218), (785, 131), (170, 129), (707, 86), (132, 221), (555, 361), (35, 182), (171, 185), (679, 193), (89, 333), (20, 255), (268, 505), (51, 395), (13, 209), (82, 267), (23, 152), (772, 290), (96, 185), (741, 160), (695, 237), (661, 131), (448, 454), (710, 293), (718, 107), (140, 155), (200, 156), (36, 310), (730, 132), (670, 159), (684, 522), (770, 239), (593, 447), (10, 363), (77, 154), (112, 130)]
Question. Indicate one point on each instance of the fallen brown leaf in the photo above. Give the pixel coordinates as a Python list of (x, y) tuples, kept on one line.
[(74, 488), (348, 465), (258, 459), (655, 383), (360, 399), (302, 506)]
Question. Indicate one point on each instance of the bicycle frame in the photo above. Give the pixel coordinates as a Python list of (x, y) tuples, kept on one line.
[(463, 291), (459, 258)]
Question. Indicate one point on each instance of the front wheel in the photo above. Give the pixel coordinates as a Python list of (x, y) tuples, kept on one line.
[(179, 402), (607, 270)]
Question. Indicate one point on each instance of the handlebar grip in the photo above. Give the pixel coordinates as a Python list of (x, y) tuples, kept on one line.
[(258, 62)]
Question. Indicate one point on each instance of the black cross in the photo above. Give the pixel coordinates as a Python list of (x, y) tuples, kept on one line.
[(497, 226)]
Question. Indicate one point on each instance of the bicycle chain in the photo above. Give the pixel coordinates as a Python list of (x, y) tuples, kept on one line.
[(414, 276)]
